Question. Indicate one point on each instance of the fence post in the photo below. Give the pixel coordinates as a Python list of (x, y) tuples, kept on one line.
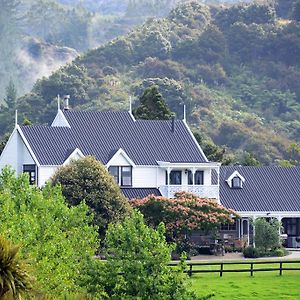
[(221, 270), (191, 270), (280, 268), (251, 269)]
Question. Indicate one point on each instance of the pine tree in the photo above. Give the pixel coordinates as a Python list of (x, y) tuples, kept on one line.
[(11, 95), (152, 106)]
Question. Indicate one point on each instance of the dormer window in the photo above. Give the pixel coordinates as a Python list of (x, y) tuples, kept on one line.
[(121, 174), (236, 183), (235, 180)]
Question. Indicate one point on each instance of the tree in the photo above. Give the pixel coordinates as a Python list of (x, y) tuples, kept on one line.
[(183, 214), (55, 237), (294, 156), (152, 106), (11, 95), (14, 275), (141, 254), (267, 234), (88, 180)]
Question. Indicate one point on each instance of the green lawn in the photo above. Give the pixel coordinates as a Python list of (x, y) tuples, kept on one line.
[(263, 285)]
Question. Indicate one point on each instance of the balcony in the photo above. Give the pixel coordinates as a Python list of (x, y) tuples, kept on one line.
[(204, 191)]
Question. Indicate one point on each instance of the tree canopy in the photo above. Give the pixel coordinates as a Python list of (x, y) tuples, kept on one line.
[(87, 180), (55, 238), (137, 264), (152, 106)]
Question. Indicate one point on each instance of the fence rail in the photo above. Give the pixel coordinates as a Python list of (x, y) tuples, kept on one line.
[(251, 264)]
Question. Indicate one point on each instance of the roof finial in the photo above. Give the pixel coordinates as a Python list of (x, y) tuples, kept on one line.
[(184, 113), (16, 118), (58, 102), (130, 104)]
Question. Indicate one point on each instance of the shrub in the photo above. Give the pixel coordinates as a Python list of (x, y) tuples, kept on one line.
[(251, 252), (14, 275), (267, 234), (279, 252)]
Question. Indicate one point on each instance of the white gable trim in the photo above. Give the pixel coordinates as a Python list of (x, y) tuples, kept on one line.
[(60, 120), (72, 155), (28, 146), (193, 137), (234, 174), (123, 153)]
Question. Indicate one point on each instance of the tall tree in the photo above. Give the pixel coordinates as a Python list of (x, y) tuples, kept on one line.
[(152, 106), (11, 95)]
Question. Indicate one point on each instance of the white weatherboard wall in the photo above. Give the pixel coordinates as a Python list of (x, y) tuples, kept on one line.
[(16, 154), (144, 177), (45, 173)]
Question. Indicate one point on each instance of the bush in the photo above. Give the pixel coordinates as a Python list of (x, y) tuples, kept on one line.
[(279, 252), (251, 252)]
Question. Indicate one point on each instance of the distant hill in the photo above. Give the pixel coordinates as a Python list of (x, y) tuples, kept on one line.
[(236, 69)]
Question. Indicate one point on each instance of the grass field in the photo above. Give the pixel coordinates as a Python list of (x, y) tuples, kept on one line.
[(239, 286)]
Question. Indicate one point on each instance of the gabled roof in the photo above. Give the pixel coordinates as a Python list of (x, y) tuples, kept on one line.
[(139, 193), (266, 189), (102, 133)]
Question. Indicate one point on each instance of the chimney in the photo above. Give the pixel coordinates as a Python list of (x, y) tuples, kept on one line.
[(173, 124), (66, 102)]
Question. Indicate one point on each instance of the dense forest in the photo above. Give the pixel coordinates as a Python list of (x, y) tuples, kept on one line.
[(235, 67), (42, 35)]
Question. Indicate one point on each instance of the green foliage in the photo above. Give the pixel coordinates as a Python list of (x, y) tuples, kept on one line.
[(267, 234), (55, 237), (251, 252), (88, 180), (294, 157), (152, 106), (141, 254), (11, 96), (3, 142), (14, 274)]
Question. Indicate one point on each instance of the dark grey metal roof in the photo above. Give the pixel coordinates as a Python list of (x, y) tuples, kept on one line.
[(139, 193), (265, 189), (102, 133)]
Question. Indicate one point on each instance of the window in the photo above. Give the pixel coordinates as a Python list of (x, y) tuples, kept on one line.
[(175, 177), (30, 170), (114, 171), (126, 176), (236, 182), (199, 176), (122, 175), (229, 227)]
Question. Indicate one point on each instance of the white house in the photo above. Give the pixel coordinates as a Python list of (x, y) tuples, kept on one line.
[(144, 156), (156, 157)]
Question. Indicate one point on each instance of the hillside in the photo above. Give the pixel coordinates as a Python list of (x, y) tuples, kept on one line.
[(236, 69)]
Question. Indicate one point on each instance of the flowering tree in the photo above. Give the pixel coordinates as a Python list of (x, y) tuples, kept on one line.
[(183, 214)]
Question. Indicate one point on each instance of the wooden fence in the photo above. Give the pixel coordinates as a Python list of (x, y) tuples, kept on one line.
[(250, 270)]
